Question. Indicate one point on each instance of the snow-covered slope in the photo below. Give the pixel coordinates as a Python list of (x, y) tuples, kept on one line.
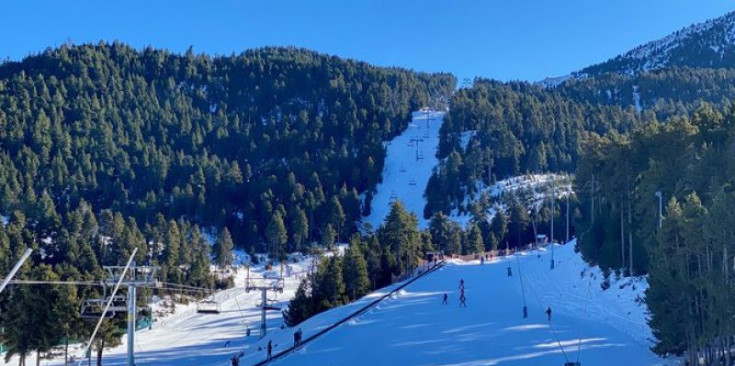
[(191, 338), (708, 44), (404, 176), (533, 189), (413, 328)]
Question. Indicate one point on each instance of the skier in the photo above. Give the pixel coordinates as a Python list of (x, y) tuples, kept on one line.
[(295, 339), (235, 361), (270, 350), (525, 312), (299, 335), (510, 272), (444, 300), (482, 260), (462, 301), (548, 313), (461, 283)]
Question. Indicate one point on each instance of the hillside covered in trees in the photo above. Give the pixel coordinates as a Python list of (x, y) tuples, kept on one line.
[(104, 148), (688, 253)]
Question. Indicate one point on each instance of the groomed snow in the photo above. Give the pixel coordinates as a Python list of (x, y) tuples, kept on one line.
[(414, 328), (404, 177)]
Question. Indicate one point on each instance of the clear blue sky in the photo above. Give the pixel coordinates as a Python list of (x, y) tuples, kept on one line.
[(502, 39)]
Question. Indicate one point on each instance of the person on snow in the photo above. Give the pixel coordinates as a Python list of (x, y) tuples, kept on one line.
[(270, 350), (548, 313), (444, 300), (461, 283), (299, 335), (462, 301), (235, 361), (525, 312), (510, 272)]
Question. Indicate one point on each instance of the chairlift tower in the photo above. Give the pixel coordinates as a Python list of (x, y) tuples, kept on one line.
[(417, 140), (264, 284), (143, 276)]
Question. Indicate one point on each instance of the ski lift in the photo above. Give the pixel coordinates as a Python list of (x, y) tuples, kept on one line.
[(269, 305), (119, 304), (93, 309), (208, 307)]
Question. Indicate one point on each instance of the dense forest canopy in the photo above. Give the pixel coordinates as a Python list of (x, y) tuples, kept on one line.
[(220, 141), (105, 148), (688, 253)]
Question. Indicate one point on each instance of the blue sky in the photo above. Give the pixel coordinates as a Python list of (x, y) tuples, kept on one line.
[(502, 39)]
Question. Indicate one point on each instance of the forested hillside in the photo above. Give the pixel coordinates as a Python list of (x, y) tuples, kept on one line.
[(216, 141), (704, 45), (688, 253), (511, 129), (104, 148)]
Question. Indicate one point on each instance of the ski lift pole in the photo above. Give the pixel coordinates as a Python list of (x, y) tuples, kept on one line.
[(109, 302), (15, 269), (523, 292)]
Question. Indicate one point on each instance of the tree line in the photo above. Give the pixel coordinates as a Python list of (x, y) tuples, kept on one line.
[(688, 253)]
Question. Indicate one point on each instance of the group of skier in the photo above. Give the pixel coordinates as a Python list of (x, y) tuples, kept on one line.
[(462, 297), (463, 300)]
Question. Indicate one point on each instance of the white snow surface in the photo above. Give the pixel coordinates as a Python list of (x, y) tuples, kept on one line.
[(637, 99), (414, 328), (553, 82), (404, 177), (513, 185), (189, 338)]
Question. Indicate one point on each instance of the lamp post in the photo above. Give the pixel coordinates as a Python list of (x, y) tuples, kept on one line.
[(660, 207), (553, 203)]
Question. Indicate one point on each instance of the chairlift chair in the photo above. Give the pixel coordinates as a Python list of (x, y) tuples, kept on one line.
[(119, 303), (92, 309), (208, 307)]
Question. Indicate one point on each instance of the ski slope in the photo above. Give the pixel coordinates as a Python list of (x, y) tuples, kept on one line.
[(592, 326), (405, 177), (191, 338), (413, 327)]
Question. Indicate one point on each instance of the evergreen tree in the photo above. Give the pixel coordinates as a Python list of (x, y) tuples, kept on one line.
[(329, 286), (276, 234), (301, 307), (355, 271), (336, 216), (328, 236), (223, 249), (473, 243)]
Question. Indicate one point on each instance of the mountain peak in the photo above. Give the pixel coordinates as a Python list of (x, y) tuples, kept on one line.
[(710, 44)]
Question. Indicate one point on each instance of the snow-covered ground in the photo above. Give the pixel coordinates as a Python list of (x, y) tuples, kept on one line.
[(412, 327), (404, 177), (191, 338), (588, 324), (536, 186)]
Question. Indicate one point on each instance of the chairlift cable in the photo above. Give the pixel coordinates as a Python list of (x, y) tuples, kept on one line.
[(586, 312), (551, 326)]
